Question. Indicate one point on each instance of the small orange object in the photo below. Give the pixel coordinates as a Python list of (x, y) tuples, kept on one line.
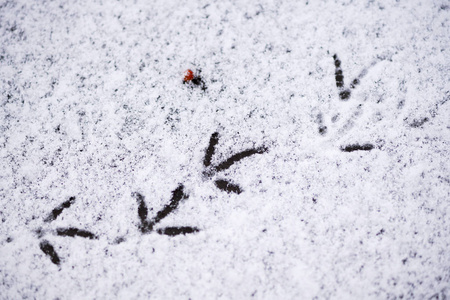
[(188, 75)]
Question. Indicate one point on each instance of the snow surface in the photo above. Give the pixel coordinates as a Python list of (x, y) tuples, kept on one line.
[(93, 107)]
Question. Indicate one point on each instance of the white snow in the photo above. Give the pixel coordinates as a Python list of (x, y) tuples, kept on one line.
[(93, 106)]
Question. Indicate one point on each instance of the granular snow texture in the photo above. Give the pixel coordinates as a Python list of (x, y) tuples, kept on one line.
[(307, 159)]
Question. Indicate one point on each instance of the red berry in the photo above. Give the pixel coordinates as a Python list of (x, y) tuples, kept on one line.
[(188, 75)]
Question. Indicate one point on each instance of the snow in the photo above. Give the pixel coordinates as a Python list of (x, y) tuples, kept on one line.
[(93, 106)]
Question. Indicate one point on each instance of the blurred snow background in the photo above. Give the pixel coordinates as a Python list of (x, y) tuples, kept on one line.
[(93, 106)]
